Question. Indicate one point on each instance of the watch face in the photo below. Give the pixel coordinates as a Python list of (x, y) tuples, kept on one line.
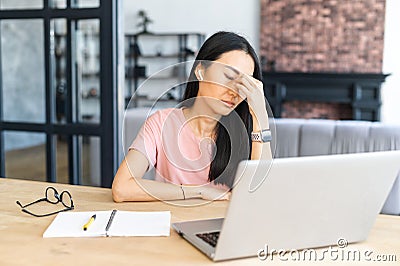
[(266, 135)]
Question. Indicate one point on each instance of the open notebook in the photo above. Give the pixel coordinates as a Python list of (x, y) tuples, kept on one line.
[(120, 223)]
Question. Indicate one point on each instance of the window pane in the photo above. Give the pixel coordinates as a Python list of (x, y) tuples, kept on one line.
[(59, 61), (25, 155), (58, 4), (88, 67), (22, 55), (85, 3), (90, 161), (21, 4)]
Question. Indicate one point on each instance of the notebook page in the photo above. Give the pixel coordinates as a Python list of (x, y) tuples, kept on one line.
[(128, 223), (70, 224)]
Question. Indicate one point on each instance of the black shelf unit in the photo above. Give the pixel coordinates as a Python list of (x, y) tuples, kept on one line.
[(60, 40), (134, 55), (362, 91)]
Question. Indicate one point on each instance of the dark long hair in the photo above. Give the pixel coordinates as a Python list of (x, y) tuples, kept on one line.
[(223, 166)]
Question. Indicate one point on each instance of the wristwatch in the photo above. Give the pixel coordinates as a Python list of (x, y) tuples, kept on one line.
[(261, 136)]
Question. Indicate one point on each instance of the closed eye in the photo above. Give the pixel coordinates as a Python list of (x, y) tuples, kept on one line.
[(229, 77)]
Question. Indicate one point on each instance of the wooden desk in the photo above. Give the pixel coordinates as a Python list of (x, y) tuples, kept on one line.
[(21, 241)]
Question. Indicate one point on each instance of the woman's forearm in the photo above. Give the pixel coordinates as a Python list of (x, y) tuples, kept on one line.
[(128, 184), (150, 190), (128, 188), (261, 150)]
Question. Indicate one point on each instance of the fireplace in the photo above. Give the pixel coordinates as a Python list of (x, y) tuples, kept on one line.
[(318, 57), (324, 95), (320, 110)]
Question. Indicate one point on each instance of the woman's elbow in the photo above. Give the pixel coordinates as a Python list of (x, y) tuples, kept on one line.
[(118, 194), (127, 191)]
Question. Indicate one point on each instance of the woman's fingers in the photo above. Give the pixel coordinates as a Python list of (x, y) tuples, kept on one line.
[(250, 80), (254, 83), (212, 193), (242, 91), (254, 91), (248, 88)]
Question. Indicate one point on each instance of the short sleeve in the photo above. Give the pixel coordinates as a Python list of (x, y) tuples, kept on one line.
[(147, 139)]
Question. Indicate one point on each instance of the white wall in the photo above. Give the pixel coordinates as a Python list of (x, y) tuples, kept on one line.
[(206, 16), (209, 16), (391, 64)]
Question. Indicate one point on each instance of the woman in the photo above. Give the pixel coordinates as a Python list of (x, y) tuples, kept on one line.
[(196, 148)]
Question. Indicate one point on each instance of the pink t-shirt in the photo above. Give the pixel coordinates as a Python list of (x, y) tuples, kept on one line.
[(168, 142)]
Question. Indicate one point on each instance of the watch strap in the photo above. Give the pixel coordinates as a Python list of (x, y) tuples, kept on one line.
[(262, 136)]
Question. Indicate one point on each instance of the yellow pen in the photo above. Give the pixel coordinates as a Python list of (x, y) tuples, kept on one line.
[(91, 220)]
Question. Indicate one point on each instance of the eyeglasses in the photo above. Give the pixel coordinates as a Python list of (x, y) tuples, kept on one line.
[(53, 197)]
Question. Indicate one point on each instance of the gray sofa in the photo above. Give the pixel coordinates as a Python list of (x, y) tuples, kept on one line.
[(301, 137)]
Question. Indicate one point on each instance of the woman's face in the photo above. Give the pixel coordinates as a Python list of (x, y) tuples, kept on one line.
[(217, 89)]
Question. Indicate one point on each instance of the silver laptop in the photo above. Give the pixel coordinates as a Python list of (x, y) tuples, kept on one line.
[(304, 202)]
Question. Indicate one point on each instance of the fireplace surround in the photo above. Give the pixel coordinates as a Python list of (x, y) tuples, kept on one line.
[(360, 92)]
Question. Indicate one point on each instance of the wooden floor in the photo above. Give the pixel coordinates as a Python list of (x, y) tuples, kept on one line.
[(30, 163)]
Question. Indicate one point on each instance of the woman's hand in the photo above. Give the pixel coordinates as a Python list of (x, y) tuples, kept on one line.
[(212, 193), (207, 193), (253, 91)]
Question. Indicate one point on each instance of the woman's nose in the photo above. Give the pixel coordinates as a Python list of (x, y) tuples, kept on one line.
[(233, 92)]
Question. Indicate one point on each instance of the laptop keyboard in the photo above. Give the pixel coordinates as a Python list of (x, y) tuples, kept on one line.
[(211, 238)]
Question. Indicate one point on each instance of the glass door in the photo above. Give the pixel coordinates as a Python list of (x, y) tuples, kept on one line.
[(60, 83)]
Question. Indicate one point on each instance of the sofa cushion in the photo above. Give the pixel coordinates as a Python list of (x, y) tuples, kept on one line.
[(316, 137), (350, 137), (287, 137), (323, 137), (384, 137)]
